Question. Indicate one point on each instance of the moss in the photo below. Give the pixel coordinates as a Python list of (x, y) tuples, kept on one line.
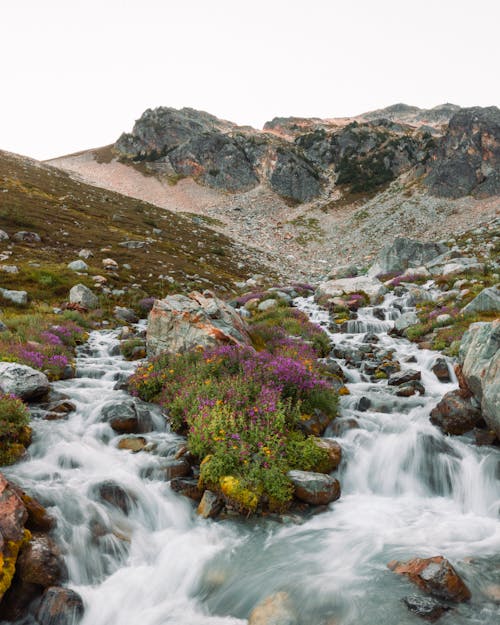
[(242, 498), (8, 561)]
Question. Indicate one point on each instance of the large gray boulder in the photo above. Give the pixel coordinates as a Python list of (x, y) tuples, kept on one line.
[(22, 381), (343, 286), (487, 300), (82, 295), (479, 356), (180, 323), (403, 254)]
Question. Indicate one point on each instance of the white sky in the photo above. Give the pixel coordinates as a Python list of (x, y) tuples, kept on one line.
[(74, 74)]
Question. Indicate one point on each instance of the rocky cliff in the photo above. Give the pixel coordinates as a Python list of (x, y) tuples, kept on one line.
[(303, 159)]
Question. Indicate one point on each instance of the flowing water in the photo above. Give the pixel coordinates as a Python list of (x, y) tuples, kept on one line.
[(406, 491)]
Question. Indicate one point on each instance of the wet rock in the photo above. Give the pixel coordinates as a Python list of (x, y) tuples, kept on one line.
[(274, 610), (487, 300), (403, 254), (441, 370), (340, 426), (410, 388), (379, 313), (128, 417), (314, 424), (334, 451), (333, 368), (479, 357), (455, 414), (112, 493), (435, 576), (40, 562), (179, 323), (210, 505), (132, 443), (60, 606), (83, 296), (22, 381), (20, 298), (363, 404), (314, 488), (39, 520), (402, 377), (16, 601), (486, 437), (171, 469), (187, 487), (26, 237), (428, 608)]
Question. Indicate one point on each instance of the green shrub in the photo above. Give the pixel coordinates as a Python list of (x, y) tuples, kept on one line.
[(14, 430)]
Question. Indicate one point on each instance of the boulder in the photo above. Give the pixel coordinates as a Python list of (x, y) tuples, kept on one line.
[(267, 304), (180, 323), (404, 253), (132, 443), (113, 494), (40, 562), (405, 321), (436, 576), (314, 488), (83, 296), (187, 486), (125, 314), (26, 237), (129, 416), (13, 516), (333, 288), (426, 607), (488, 300), (4, 236), (403, 377), (459, 266), (455, 414), (9, 268), (22, 381), (60, 606), (210, 505), (78, 265), (345, 271), (20, 298), (334, 451), (479, 357), (85, 253), (276, 609), (441, 370), (133, 245)]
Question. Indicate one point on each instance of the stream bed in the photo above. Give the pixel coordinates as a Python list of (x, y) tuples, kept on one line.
[(407, 491)]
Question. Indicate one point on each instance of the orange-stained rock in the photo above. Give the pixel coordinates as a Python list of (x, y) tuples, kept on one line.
[(435, 576)]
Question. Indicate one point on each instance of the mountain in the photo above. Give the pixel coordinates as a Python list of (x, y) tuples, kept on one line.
[(337, 188)]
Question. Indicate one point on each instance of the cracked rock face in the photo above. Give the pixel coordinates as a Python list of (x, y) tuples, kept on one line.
[(467, 160)]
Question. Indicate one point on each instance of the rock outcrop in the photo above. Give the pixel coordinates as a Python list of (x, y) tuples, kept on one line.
[(480, 359), (403, 254), (467, 160), (22, 381), (180, 323), (344, 286)]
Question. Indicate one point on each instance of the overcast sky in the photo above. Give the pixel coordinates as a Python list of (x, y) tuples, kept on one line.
[(76, 73)]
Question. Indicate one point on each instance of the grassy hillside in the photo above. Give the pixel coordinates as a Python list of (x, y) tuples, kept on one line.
[(179, 252)]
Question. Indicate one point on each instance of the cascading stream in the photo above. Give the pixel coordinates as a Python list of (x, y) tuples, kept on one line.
[(407, 491)]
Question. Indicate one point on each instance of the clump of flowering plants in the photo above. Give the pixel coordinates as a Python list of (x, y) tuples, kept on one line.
[(41, 343), (240, 409)]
